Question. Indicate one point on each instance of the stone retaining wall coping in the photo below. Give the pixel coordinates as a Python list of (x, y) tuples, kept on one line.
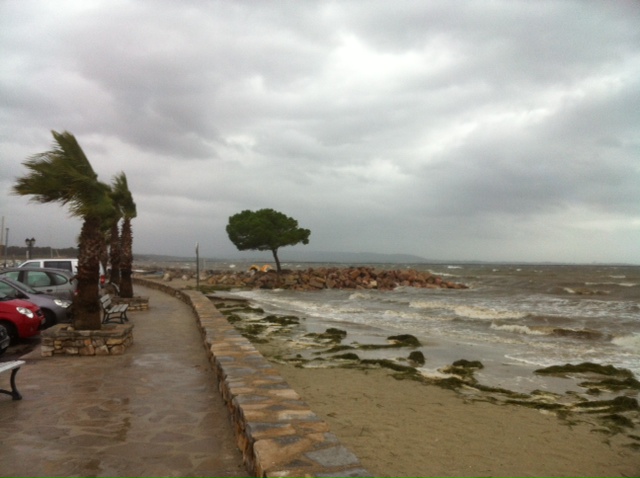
[(276, 431)]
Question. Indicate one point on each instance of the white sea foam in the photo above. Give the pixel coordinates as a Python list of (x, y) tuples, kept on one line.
[(522, 329), (473, 312), (426, 304), (628, 341)]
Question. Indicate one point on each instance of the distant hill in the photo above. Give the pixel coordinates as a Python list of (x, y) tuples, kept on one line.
[(350, 257), (298, 256)]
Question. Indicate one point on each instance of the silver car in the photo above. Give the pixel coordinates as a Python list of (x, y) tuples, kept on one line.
[(50, 281), (55, 309)]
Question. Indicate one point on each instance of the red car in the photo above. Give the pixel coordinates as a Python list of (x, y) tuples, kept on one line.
[(20, 318)]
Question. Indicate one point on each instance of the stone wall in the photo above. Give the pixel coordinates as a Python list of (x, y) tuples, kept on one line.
[(63, 339), (276, 431), (351, 278)]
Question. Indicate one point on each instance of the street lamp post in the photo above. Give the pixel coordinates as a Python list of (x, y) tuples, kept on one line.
[(29, 243), (197, 266), (6, 245)]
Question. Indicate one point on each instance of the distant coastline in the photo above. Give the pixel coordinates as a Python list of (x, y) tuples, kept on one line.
[(358, 258)]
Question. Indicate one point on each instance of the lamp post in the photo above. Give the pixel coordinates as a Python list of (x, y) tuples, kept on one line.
[(29, 243), (197, 266), (6, 246)]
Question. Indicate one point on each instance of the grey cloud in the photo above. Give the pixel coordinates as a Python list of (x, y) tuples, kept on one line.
[(420, 127)]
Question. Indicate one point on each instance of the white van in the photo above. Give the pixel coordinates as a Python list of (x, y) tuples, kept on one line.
[(70, 265)]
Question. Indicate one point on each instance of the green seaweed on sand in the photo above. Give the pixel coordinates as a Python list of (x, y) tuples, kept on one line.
[(331, 334), (417, 357), (610, 384), (615, 419), (617, 405), (347, 356), (463, 369), (336, 348), (233, 318), (470, 364), (282, 320), (405, 340), (585, 367), (244, 309), (386, 363)]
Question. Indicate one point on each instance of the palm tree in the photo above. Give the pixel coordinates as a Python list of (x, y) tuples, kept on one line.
[(128, 211), (118, 195), (64, 175), (114, 254)]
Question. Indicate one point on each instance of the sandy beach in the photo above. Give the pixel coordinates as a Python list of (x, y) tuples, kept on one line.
[(405, 428), (409, 428)]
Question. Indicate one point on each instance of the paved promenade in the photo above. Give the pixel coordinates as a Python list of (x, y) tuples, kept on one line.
[(154, 411)]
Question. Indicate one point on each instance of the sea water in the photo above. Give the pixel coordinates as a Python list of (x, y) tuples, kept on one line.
[(511, 315)]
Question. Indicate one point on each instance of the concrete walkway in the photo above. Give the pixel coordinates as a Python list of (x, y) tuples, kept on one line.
[(154, 411)]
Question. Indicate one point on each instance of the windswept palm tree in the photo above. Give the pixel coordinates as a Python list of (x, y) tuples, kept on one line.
[(64, 175), (114, 254), (127, 208), (118, 195)]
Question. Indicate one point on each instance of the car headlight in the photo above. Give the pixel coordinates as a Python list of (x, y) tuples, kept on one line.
[(25, 311), (62, 303)]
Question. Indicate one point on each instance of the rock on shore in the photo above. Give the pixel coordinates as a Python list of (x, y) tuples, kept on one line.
[(331, 278)]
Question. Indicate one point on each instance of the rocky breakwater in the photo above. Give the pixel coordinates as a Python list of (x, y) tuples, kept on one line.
[(330, 278)]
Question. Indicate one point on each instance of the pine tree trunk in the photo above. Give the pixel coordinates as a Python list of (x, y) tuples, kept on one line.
[(86, 306), (275, 256), (126, 261)]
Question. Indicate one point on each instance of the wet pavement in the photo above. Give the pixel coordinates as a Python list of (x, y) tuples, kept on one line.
[(154, 411)]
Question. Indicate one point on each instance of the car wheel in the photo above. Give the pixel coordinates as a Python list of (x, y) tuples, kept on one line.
[(49, 319), (12, 331), (2, 351)]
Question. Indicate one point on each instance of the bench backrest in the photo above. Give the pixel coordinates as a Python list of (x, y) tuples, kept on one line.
[(105, 300)]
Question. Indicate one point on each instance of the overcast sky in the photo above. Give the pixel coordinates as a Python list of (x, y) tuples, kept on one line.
[(479, 130)]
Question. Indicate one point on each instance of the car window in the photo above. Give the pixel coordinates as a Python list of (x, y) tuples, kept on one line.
[(58, 279), (20, 286), (30, 265), (38, 279), (64, 265), (6, 289), (12, 274)]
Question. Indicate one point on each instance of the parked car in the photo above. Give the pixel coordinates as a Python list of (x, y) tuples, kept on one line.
[(54, 308), (50, 281), (20, 318), (70, 265), (5, 340)]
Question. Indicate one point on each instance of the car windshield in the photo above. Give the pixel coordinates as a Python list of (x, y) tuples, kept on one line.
[(20, 286), (4, 296)]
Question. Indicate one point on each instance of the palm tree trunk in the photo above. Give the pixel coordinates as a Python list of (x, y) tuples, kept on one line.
[(126, 239), (86, 306), (114, 255)]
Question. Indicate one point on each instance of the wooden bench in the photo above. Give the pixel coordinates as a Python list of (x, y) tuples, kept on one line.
[(14, 366), (116, 312)]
